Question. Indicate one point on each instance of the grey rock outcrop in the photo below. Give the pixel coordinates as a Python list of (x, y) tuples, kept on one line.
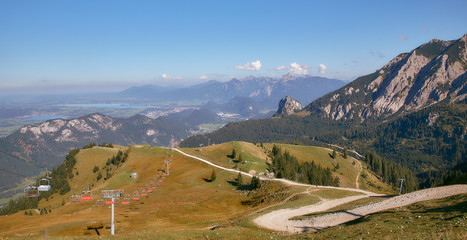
[(288, 106)]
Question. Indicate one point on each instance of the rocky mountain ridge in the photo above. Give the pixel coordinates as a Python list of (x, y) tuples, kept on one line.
[(429, 74)]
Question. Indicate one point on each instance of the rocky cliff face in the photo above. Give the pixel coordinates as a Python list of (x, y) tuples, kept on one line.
[(288, 106), (431, 73)]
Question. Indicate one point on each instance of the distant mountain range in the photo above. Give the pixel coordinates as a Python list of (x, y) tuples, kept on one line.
[(412, 111), (265, 91)]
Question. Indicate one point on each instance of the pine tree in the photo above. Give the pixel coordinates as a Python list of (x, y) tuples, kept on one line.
[(346, 153), (239, 180), (240, 158), (334, 154), (234, 154), (213, 176), (253, 182)]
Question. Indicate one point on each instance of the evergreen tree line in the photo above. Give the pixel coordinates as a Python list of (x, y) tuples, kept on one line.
[(430, 137), (115, 160), (285, 165), (58, 179), (455, 175), (390, 172), (93, 144)]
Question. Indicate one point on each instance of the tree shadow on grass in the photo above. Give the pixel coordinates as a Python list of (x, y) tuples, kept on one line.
[(241, 187)]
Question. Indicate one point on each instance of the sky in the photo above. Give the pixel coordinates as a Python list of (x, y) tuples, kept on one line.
[(48, 46)]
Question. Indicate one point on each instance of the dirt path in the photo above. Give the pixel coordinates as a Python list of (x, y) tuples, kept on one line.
[(288, 182), (279, 220), (357, 185)]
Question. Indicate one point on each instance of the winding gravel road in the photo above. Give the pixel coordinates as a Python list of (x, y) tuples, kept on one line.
[(288, 182), (279, 220)]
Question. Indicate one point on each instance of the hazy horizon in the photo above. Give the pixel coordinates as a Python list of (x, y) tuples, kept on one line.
[(52, 47)]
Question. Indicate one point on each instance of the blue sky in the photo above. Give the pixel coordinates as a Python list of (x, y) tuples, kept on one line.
[(85, 45)]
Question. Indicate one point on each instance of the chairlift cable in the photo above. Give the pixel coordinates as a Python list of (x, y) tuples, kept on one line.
[(22, 160), (14, 173)]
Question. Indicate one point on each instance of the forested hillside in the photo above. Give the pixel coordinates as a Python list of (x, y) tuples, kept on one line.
[(428, 142)]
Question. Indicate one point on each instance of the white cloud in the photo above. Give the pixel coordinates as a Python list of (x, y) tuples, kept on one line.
[(295, 68), (166, 76), (251, 66), (403, 38), (299, 69), (280, 68), (204, 77), (322, 69)]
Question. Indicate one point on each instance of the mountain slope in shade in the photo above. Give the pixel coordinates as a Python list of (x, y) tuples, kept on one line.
[(431, 73)]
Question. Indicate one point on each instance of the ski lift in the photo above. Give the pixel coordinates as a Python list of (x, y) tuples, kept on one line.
[(100, 202), (31, 191), (143, 192), (148, 188), (135, 196), (117, 200), (109, 201), (126, 199), (75, 199), (44, 183), (86, 195)]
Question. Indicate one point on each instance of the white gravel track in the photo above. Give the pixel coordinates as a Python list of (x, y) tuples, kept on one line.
[(279, 220)]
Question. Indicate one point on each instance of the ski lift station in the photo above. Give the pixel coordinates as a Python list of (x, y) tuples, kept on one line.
[(44, 185)]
